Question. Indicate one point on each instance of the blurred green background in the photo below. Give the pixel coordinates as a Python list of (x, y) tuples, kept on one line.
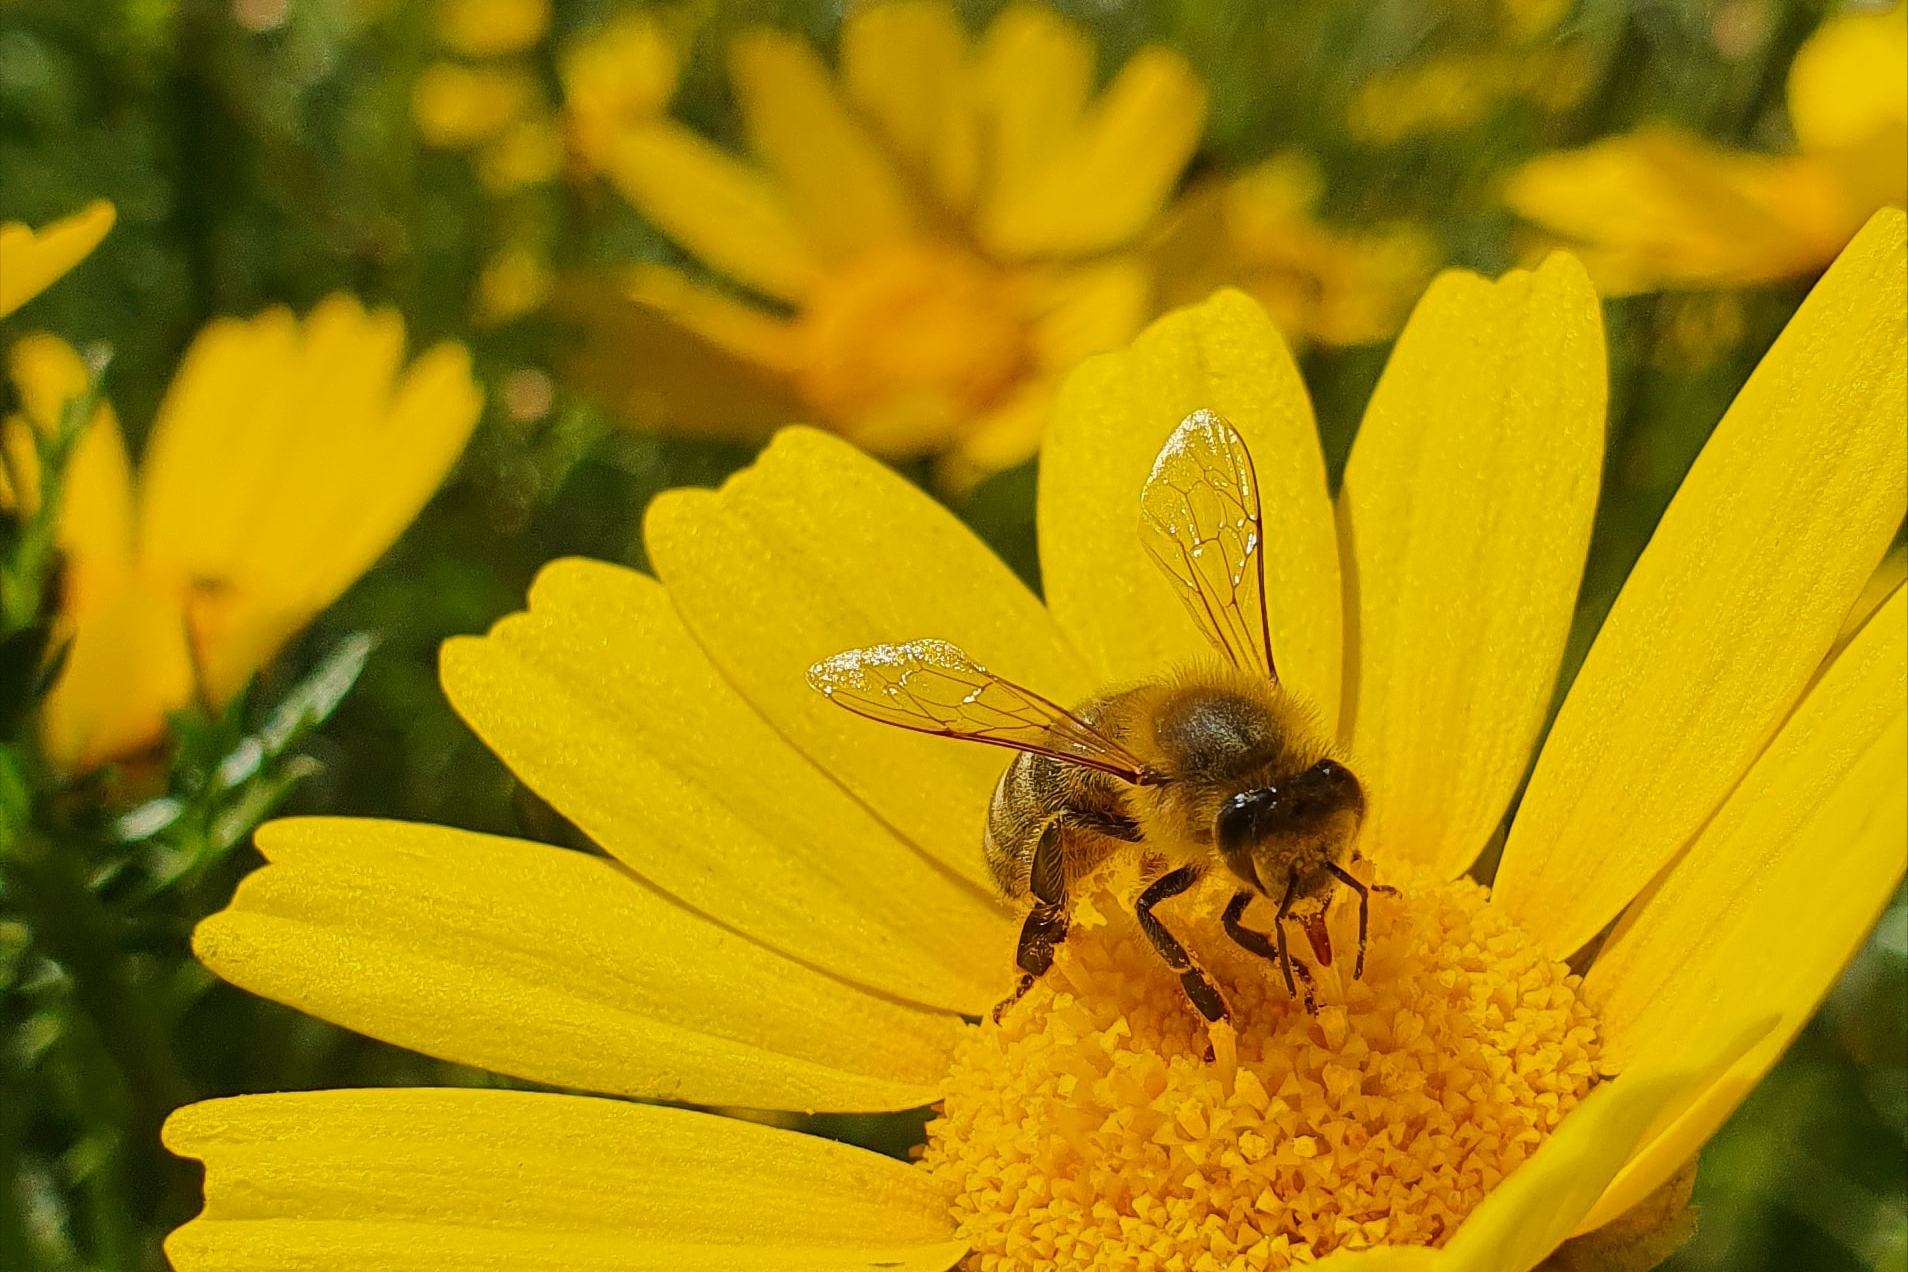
[(264, 151)]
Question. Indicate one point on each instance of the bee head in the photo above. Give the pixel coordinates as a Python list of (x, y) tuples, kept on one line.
[(1296, 824)]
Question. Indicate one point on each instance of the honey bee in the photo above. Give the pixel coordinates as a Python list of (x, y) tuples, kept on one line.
[(1209, 768)]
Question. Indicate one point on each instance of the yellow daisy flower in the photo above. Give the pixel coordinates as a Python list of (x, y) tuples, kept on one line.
[(936, 236), (286, 457), (1663, 208), (791, 911), (30, 259)]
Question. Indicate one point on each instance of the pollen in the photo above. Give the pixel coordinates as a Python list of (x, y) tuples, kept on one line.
[(1092, 1128)]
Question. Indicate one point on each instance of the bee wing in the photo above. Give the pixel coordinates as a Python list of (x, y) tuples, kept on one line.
[(1199, 518), (931, 686)]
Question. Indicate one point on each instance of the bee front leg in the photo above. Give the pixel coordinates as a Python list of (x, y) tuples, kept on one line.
[(1046, 925), (1199, 988), (1254, 942)]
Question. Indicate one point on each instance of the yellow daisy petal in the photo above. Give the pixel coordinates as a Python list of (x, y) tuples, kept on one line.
[(1659, 207), (1465, 517), (490, 28), (423, 1179), (904, 63), (1881, 585), (558, 967), (839, 184), (96, 501), (1034, 74), (603, 702), (1113, 175), (817, 549), (1088, 309), (127, 668), (1778, 891), (1539, 1206), (729, 324), (1850, 79), (1112, 416), (31, 260), (1731, 607), (725, 213)]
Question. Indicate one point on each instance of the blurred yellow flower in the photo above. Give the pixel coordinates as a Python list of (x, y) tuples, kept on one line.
[(457, 106), (516, 281), (284, 460), (1723, 788), (617, 78), (938, 234), (1664, 208), (1259, 232), (1453, 91), (30, 259), (491, 28)]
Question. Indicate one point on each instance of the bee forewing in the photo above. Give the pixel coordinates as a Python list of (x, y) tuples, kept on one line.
[(932, 686), (1199, 518)]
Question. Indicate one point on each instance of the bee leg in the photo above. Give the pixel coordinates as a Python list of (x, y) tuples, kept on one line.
[(1200, 990), (1254, 942), (1351, 881), (1046, 924)]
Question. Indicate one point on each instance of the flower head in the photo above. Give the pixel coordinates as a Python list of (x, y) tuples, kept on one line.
[(923, 239), (286, 457), (1663, 208), (791, 911), (31, 259)]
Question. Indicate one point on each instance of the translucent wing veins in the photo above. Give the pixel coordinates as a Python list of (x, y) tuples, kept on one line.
[(932, 686)]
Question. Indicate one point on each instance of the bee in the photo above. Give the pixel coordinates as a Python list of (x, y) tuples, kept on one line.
[(1208, 769)]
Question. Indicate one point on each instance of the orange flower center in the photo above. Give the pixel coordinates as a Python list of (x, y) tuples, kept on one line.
[(902, 346), (1088, 1130)]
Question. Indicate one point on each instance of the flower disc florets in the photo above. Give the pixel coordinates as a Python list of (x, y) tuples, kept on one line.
[(1089, 1130)]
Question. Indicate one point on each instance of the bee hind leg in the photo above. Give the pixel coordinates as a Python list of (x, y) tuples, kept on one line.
[(1046, 924), (1254, 942), (1200, 991)]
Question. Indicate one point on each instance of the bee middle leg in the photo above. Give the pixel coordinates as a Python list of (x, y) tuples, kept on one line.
[(1199, 988), (1254, 942)]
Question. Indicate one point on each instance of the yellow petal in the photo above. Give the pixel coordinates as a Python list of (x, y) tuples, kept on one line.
[(726, 214), (1111, 177), (457, 106), (1730, 608), (1659, 207), (604, 704), (817, 549), (1112, 416), (31, 260), (490, 28), (1880, 586), (424, 1179), (729, 324), (838, 183), (95, 530), (1527, 1216), (1465, 517), (1779, 890), (651, 373), (1034, 73), (1080, 311), (128, 667), (904, 63), (1850, 79), (558, 967)]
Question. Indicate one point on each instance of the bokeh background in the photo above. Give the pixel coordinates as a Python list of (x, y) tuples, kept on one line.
[(439, 156)]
